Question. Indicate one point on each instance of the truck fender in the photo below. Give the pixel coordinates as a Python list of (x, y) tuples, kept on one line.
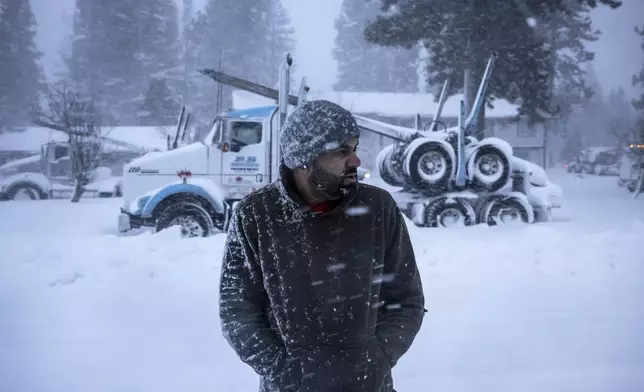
[(174, 189), (37, 181)]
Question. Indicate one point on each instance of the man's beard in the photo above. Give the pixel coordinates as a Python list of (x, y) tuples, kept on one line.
[(330, 186)]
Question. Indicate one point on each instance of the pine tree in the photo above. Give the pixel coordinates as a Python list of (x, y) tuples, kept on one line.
[(638, 103), (205, 47), (159, 46), (280, 37), (159, 106), (118, 46), (461, 35), (365, 66), (250, 40), (638, 79), (22, 79), (620, 117), (568, 31), (104, 62)]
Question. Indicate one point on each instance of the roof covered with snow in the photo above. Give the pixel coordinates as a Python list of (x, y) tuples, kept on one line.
[(31, 138), (384, 104)]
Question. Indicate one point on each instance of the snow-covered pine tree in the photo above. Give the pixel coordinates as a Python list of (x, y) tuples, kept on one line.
[(22, 80), (365, 66), (159, 107)]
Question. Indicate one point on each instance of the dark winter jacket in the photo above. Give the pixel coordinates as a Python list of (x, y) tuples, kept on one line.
[(320, 301)]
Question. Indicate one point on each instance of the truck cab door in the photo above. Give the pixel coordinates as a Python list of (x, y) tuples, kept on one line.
[(244, 159), (216, 149), (58, 164)]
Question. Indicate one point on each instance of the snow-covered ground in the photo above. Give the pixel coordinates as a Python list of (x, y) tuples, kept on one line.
[(548, 307)]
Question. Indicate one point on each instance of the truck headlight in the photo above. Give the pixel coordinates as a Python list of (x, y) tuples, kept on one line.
[(137, 206)]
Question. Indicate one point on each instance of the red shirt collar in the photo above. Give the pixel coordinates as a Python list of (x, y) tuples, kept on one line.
[(324, 206)]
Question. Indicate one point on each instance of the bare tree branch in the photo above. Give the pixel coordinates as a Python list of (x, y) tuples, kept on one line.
[(72, 114)]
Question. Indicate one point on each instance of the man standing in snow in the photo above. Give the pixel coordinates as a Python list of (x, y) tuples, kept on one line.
[(319, 286)]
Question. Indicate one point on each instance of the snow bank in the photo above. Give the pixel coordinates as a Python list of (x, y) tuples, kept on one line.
[(556, 307)]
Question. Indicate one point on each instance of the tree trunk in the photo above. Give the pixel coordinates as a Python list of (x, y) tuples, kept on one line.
[(546, 150), (78, 191)]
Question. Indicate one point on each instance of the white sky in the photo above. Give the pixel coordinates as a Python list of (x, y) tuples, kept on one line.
[(618, 55)]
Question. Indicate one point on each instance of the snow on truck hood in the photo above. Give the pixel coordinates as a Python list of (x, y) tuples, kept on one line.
[(155, 157), (536, 174)]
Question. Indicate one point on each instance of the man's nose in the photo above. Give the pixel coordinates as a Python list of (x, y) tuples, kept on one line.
[(353, 161)]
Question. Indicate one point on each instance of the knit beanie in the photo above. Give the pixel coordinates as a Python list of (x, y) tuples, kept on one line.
[(312, 129)]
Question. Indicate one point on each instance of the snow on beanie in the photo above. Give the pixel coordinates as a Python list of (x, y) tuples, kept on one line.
[(312, 129)]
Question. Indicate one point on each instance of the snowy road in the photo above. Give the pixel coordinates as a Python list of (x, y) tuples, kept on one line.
[(556, 307)]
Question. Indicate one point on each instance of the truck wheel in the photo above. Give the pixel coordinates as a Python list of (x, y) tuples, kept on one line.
[(191, 217), (542, 214), (491, 169), (448, 212), (504, 210), (385, 168), (430, 168), (24, 192)]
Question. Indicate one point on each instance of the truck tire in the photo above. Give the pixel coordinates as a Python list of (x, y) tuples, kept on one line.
[(448, 212), (191, 217), (503, 210), (25, 191), (491, 169), (429, 168), (385, 169)]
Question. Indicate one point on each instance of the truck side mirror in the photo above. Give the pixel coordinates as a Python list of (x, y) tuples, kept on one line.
[(225, 144)]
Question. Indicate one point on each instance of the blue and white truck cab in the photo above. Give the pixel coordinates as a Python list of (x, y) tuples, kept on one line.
[(196, 185)]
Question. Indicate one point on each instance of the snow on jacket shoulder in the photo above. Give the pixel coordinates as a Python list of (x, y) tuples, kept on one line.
[(319, 301)]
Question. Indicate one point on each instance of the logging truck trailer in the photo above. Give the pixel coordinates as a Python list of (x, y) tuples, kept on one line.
[(444, 176)]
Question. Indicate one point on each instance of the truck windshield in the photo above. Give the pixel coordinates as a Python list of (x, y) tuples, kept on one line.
[(244, 133)]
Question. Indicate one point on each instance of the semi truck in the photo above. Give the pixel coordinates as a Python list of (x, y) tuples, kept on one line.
[(441, 177), (49, 175)]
